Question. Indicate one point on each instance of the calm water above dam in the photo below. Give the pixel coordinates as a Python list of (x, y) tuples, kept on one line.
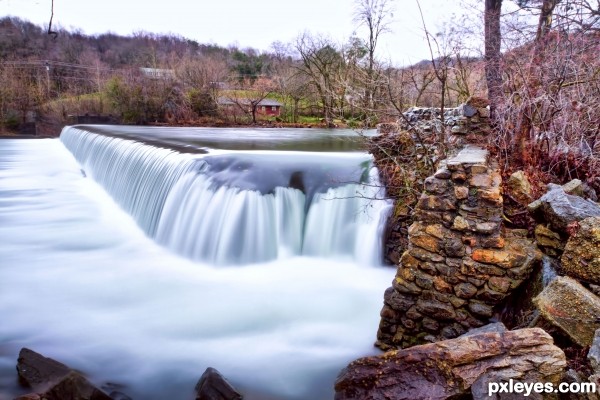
[(142, 256)]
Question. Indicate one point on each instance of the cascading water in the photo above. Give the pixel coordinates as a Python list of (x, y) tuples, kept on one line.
[(81, 281), (138, 176), (175, 200)]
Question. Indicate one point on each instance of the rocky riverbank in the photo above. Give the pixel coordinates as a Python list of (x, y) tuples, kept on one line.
[(462, 268)]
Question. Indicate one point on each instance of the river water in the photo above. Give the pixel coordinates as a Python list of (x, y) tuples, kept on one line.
[(143, 256)]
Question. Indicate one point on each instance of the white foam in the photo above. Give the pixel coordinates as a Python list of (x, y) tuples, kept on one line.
[(80, 282)]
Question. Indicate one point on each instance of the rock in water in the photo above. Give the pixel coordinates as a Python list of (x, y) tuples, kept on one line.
[(213, 386), (54, 380), (34, 369), (571, 307), (454, 367), (581, 257), (76, 387)]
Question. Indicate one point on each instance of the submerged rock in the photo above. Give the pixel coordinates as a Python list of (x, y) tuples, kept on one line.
[(572, 308), (213, 386), (581, 258), (451, 368)]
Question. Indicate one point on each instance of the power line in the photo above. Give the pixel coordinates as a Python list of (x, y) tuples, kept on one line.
[(45, 63)]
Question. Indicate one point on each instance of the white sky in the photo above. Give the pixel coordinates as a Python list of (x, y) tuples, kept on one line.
[(244, 23)]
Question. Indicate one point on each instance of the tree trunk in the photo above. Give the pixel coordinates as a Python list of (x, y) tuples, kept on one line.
[(522, 148), (493, 38)]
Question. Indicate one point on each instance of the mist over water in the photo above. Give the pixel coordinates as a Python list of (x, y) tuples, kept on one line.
[(82, 281)]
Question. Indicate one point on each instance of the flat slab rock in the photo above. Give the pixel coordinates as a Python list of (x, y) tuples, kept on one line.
[(455, 367), (470, 155)]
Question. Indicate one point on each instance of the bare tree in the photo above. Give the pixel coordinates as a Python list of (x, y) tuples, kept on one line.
[(376, 16), (294, 87), (320, 62)]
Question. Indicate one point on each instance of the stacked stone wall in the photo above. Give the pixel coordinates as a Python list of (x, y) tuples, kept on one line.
[(465, 124), (460, 263)]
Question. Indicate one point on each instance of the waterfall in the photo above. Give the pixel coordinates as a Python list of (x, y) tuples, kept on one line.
[(205, 207), (138, 176)]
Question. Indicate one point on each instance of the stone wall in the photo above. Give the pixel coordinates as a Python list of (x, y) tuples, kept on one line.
[(467, 123), (460, 263)]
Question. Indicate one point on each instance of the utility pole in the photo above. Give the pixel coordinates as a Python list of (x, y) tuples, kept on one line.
[(98, 74), (48, 77)]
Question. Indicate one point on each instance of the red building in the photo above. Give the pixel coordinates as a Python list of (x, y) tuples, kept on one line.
[(266, 107), (269, 107)]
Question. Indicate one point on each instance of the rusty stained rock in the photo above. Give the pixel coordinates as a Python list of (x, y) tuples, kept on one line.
[(449, 368), (581, 257), (571, 307)]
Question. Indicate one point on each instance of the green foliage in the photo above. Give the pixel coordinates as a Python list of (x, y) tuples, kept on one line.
[(124, 98), (202, 103), (141, 101), (247, 65), (356, 49)]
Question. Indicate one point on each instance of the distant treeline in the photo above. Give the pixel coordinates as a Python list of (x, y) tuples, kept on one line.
[(146, 78)]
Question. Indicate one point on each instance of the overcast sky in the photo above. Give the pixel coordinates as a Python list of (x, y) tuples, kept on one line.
[(244, 23)]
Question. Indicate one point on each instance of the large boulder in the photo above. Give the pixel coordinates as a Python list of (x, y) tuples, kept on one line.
[(561, 209), (571, 307), (213, 386), (454, 367), (581, 258)]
